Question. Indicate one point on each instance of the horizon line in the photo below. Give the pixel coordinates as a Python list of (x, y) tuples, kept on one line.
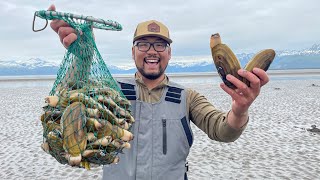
[(271, 72)]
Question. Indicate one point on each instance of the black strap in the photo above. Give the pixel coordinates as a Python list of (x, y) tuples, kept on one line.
[(128, 90), (126, 86), (174, 89), (173, 94), (178, 101), (187, 130)]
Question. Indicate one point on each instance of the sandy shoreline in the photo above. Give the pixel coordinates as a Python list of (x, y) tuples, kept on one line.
[(275, 145)]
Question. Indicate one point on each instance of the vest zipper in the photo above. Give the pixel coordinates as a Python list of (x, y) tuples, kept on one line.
[(164, 136)]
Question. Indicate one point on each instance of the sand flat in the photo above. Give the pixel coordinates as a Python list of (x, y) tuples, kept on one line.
[(275, 145)]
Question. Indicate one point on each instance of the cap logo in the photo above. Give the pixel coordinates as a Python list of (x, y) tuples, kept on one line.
[(153, 27)]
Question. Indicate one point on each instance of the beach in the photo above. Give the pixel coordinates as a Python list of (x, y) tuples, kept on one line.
[(275, 145)]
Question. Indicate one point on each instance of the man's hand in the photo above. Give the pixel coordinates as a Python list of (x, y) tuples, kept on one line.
[(66, 33), (243, 96)]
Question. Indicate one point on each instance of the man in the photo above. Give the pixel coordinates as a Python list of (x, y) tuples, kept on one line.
[(163, 109)]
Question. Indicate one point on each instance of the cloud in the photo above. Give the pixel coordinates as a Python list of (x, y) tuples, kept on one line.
[(246, 26)]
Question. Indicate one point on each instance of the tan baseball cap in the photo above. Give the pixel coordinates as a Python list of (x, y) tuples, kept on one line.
[(152, 28)]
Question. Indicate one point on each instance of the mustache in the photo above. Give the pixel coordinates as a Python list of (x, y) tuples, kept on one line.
[(152, 56)]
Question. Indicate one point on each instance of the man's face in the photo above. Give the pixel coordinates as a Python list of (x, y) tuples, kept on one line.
[(151, 64)]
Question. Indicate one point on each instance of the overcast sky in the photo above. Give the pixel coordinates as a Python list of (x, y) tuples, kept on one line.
[(244, 25)]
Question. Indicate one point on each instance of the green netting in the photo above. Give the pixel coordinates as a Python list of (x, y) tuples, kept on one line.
[(87, 119)]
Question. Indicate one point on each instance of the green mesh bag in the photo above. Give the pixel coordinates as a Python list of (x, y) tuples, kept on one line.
[(87, 119)]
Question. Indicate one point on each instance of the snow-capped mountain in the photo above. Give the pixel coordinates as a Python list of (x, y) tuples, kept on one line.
[(314, 50), (30, 64), (285, 59)]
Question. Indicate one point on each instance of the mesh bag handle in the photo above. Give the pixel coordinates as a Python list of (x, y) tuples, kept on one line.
[(69, 17)]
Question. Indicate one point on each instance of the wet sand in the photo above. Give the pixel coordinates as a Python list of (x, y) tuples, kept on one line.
[(275, 145)]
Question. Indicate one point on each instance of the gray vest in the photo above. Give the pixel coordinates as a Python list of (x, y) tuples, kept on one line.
[(162, 137)]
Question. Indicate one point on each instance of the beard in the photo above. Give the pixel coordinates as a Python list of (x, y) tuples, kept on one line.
[(151, 76)]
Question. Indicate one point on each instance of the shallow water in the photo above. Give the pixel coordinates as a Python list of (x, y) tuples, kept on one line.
[(275, 144)]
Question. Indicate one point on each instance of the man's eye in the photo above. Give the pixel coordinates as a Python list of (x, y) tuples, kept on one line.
[(143, 44), (159, 45)]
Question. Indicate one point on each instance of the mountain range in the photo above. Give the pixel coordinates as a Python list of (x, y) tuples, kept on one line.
[(286, 59)]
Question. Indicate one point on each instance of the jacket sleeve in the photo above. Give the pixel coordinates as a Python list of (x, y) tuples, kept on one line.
[(209, 119)]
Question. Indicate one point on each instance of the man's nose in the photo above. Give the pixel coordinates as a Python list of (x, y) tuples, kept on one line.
[(152, 49)]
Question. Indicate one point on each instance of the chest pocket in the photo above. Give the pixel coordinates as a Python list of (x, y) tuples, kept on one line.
[(170, 143), (172, 137)]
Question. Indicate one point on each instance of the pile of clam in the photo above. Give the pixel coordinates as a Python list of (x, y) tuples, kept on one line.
[(86, 126)]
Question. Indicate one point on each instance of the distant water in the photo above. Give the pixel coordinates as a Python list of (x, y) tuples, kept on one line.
[(184, 78)]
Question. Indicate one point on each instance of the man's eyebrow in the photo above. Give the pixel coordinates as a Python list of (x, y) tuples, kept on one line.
[(156, 40), (143, 39)]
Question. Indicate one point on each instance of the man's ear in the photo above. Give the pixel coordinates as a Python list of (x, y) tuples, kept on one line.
[(132, 53), (169, 52)]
